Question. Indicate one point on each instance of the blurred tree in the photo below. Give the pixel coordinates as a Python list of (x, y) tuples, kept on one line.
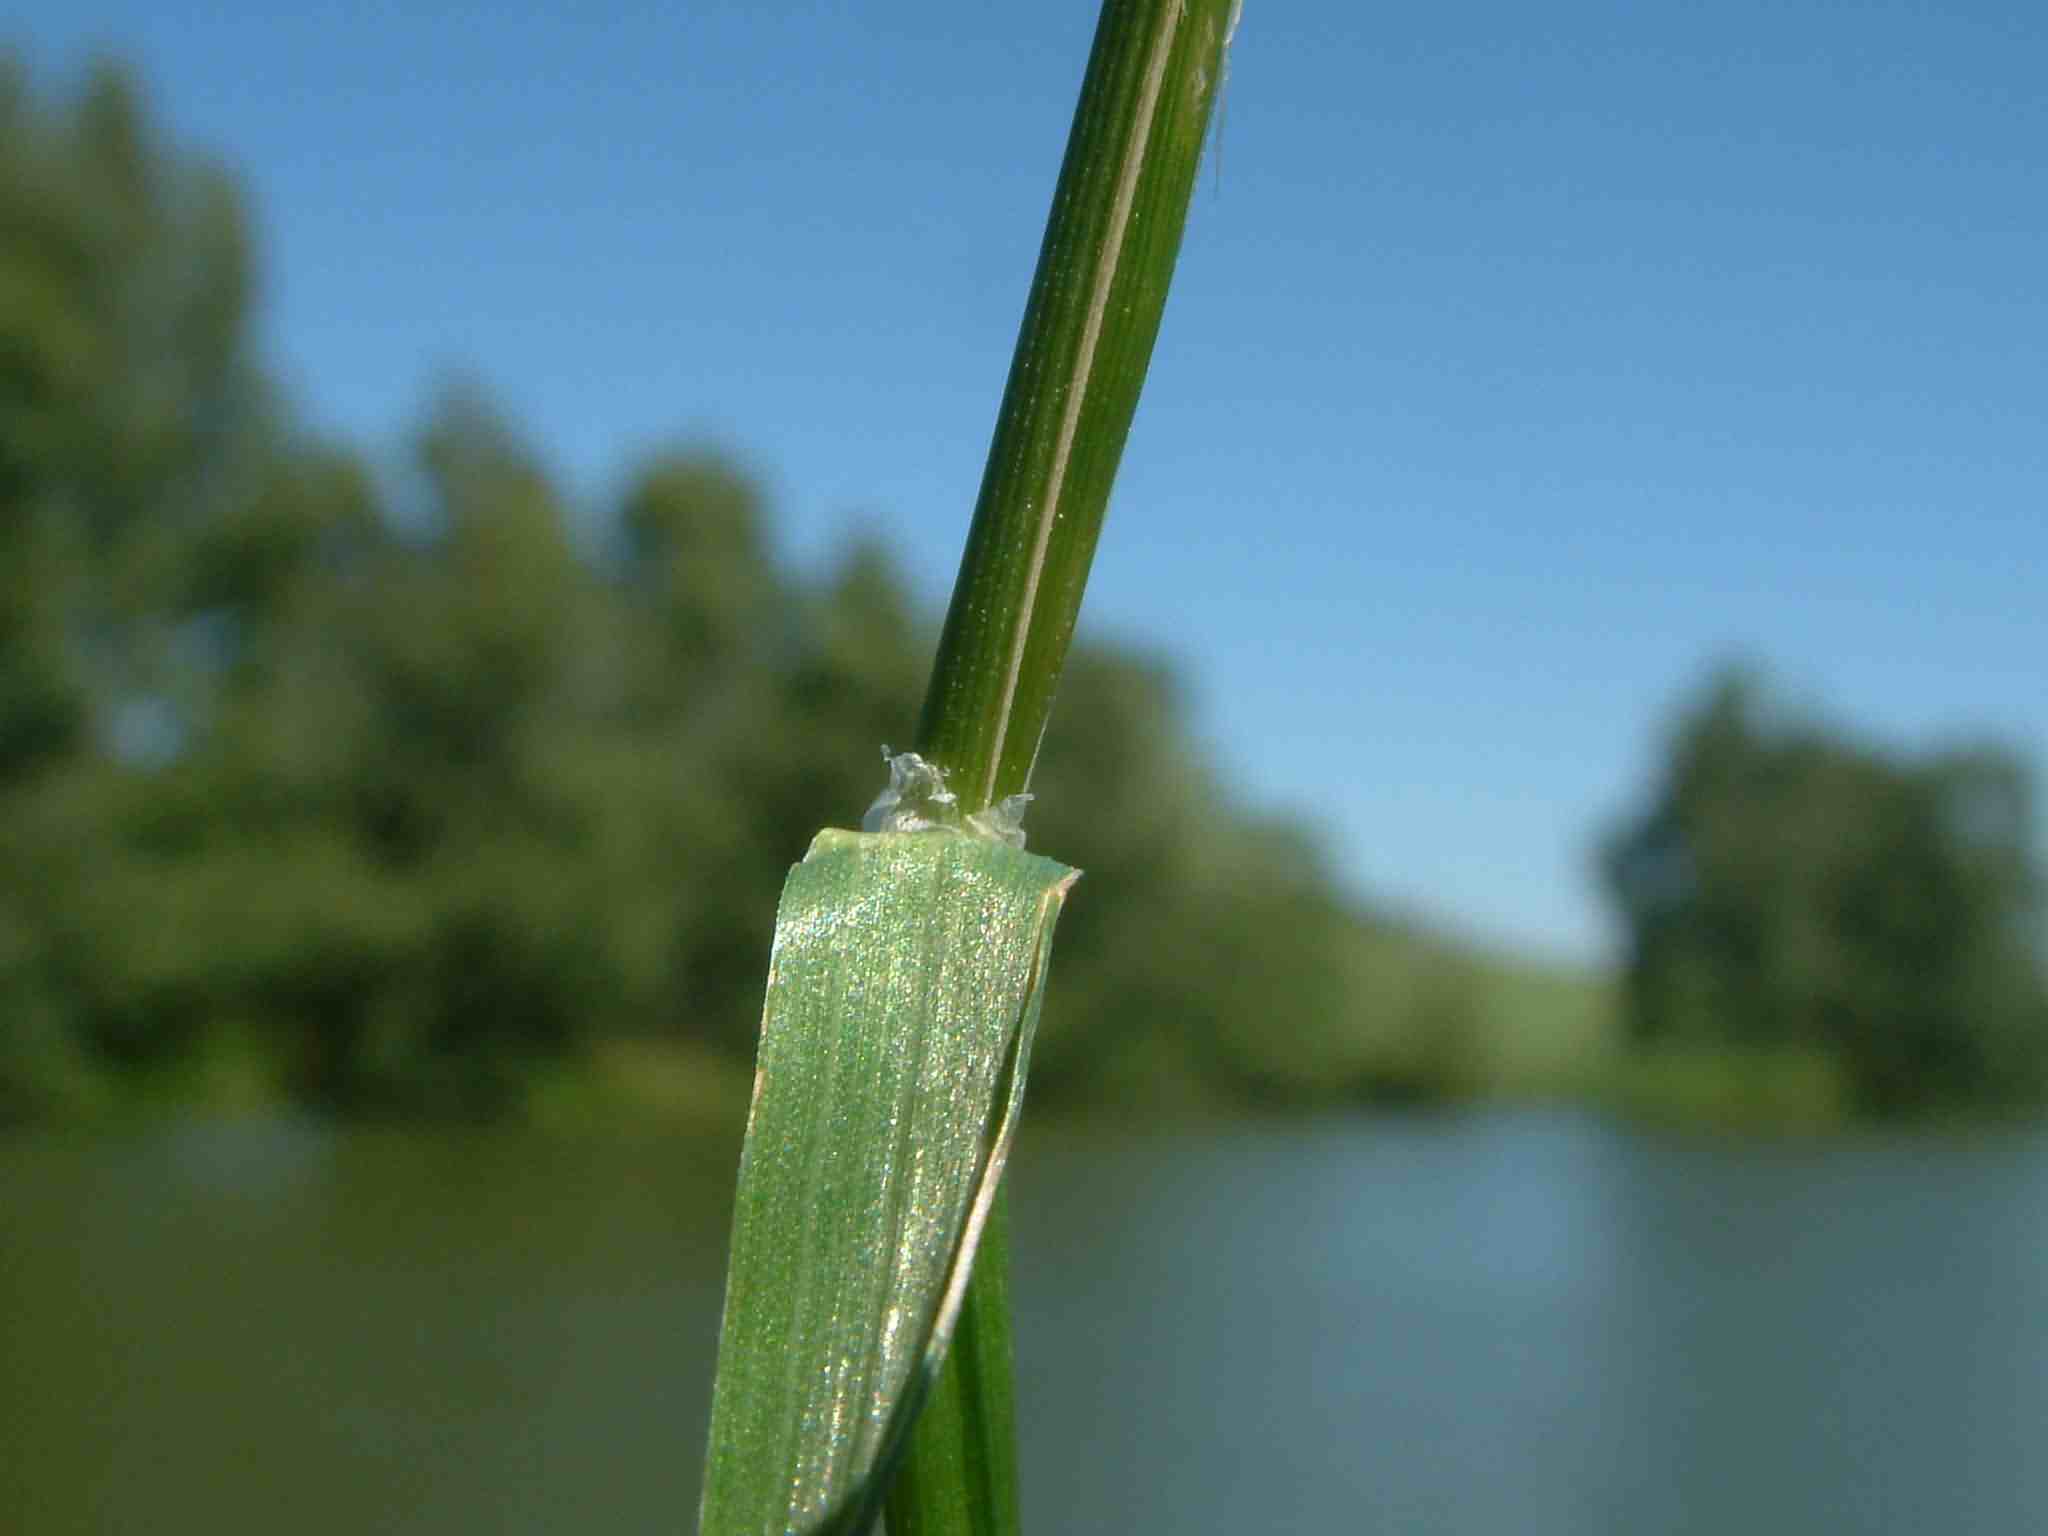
[(707, 628), (391, 810), (1208, 958), (847, 679), (696, 563), (1788, 889), (131, 415), (131, 420)]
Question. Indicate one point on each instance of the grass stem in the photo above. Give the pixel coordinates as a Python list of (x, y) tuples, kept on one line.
[(1111, 242)]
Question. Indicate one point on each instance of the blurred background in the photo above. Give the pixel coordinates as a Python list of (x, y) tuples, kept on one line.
[(1553, 1032)]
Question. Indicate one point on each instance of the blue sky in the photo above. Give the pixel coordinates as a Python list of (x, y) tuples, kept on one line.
[(1522, 362)]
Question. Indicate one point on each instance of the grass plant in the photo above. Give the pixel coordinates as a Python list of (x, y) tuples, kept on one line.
[(1111, 243)]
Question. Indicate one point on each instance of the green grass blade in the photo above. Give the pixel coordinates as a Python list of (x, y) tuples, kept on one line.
[(902, 996), (1111, 242)]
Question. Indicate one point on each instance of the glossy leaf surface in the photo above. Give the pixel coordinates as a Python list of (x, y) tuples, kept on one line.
[(902, 996)]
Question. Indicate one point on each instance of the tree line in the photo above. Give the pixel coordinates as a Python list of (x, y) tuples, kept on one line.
[(390, 795), (398, 794), (1790, 890)]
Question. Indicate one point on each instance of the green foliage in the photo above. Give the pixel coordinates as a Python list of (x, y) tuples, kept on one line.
[(419, 806), (1764, 1090), (1790, 891), (409, 808)]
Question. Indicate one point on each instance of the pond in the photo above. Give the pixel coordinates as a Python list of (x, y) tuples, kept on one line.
[(1505, 1323)]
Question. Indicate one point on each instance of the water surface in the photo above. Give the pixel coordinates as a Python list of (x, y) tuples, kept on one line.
[(1517, 1324)]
